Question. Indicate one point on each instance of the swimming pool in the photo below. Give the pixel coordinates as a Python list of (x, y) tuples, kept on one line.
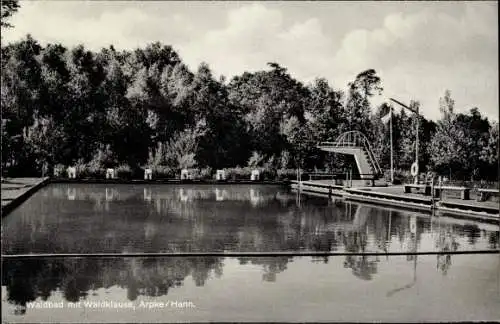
[(357, 282)]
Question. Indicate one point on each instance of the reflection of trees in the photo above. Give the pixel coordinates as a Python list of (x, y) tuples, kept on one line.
[(190, 219), (446, 242), (363, 266), (270, 265), (168, 224), (473, 233), (356, 241), (30, 279), (412, 238), (26, 280), (493, 239)]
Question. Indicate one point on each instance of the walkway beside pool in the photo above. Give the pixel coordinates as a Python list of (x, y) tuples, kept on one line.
[(396, 196), (16, 190)]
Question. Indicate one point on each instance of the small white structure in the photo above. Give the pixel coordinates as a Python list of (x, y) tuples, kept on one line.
[(221, 175), (186, 175), (110, 173), (148, 174), (71, 172), (255, 175)]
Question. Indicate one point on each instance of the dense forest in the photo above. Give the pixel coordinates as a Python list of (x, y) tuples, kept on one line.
[(140, 108)]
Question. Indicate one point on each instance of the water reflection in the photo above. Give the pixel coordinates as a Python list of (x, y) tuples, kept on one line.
[(408, 285), (28, 280), (242, 218), (77, 279), (363, 266), (447, 242), (147, 194), (71, 193)]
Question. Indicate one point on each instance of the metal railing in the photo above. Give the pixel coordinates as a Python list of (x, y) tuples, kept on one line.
[(356, 139)]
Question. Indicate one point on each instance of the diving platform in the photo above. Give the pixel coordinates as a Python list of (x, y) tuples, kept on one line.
[(356, 144)]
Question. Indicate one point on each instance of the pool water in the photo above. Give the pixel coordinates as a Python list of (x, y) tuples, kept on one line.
[(78, 218), (63, 218)]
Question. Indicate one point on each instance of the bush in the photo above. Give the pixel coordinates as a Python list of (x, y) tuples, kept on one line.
[(60, 171), (268, 174), (81, 169), (206, 173), (124, 171), (245, 174), (201, 174), (93, 169), (195, 173), (286, 174), (238, 173), (163, 172)]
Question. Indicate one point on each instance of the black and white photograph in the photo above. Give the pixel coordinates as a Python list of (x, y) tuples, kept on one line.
[(249, 161)]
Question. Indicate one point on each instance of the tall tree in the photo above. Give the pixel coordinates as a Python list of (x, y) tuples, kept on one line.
[(9, 7), (324, 117), (368, 82), (358, 107), (224, 141), (300, 140), (448, 147), (324, 110), (268, 98), (489, 152), (475, 131), (20, 95)]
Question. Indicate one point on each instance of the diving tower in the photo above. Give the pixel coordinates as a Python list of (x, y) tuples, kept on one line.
[(356, 144)]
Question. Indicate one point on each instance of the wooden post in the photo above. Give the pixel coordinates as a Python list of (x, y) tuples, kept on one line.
[(432, 192)]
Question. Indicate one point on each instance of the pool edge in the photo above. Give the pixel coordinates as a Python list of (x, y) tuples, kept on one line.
[(14, 203)]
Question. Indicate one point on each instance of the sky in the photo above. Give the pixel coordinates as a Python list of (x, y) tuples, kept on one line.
[(419, 49)]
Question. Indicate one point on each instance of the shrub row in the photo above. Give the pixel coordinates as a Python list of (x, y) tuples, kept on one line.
[(91, 171)]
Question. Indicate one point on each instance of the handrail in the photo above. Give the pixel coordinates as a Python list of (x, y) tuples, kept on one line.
[(366, 145), (374, 166), (379, 169), (356, 138)]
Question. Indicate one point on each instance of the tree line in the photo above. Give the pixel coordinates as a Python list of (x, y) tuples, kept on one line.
[(145, 108)]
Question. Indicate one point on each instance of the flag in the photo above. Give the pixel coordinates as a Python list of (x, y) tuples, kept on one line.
[(387, 117)]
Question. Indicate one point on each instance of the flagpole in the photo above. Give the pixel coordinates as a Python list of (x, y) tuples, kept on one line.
[(392, 165)]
